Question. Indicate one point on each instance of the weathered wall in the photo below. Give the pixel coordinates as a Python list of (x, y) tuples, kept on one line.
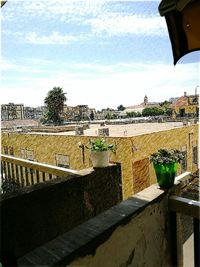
[(129, 151), (143, 241), (44, 211), (139, 231)]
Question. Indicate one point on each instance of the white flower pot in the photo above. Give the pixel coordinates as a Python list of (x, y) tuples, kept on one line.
[(100, 158)]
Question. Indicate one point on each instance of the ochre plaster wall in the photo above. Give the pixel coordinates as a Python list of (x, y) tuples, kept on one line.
[(129, 150), (143, 241), (188, 109)]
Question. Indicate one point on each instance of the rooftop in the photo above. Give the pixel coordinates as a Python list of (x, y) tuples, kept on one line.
[(126, 129)]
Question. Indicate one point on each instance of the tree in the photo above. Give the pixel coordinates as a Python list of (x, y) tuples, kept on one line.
[(54, 103), (108, 116), (92, 115), (121, 108), (155, 111), (165, 104), (133, 114)]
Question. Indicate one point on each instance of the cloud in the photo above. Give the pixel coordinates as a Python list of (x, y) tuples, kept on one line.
[(32, 66), (104, 17), (54, 38), (119, 24), (53, 8), (108, 85)]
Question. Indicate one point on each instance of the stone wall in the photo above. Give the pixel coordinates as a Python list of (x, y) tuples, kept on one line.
[(129, 151), (42, 212)]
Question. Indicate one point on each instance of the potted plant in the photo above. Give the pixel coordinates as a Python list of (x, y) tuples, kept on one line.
[(165, 163), (100, 152)]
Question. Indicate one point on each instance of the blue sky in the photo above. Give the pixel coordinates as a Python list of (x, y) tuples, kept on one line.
[(101, 52)]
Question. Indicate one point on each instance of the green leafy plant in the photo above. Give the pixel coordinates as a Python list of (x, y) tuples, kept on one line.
[(166, 156), (99, 144)]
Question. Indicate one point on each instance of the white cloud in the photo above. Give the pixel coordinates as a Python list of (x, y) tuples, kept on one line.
[(97, 14), (123, 84), (10, 66), (55, 8), (119, 24), (6, 65), (54, 38)]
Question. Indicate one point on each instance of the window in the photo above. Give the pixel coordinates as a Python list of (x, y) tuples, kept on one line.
[(27, 154), (62, 161), (182, 112), (195, 155), (5, 148), (11, 149)]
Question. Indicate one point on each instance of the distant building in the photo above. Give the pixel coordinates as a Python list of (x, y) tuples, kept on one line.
[(39, 112), (29, 113), (79, 112), (173, 99), (12, 111), (140, 107), (186, 106)]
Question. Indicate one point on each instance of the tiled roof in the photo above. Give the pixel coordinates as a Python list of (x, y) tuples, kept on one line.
[(136, 106), (181, 101)]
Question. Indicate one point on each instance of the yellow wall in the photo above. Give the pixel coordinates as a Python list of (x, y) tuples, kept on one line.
[(188, 109), (129, 150)]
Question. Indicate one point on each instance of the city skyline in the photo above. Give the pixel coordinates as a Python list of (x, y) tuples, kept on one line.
[(102, 53)]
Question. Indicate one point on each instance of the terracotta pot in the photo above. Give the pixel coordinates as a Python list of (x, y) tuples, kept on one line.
[(100, 158)]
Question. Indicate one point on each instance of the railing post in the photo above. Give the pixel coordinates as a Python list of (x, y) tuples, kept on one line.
[(196, 225), (173, 231), (22, 176)]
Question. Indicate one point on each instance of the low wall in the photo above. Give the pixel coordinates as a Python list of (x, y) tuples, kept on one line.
[(57, 129), (136, 232), (44, 211)]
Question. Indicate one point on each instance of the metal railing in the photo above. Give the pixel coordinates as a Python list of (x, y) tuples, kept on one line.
[(191, 208), (17, 173)]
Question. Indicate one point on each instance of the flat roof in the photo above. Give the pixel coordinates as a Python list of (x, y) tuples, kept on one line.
[(125, 130)]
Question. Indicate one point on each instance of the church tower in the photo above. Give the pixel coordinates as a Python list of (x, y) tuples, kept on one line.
[(145, 100)]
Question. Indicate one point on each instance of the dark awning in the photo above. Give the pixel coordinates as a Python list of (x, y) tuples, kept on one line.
[(173, 5), (183, 22), (3, 3)]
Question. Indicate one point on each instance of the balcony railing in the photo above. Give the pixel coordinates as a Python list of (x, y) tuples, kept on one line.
[(17, 173), (187, 207)]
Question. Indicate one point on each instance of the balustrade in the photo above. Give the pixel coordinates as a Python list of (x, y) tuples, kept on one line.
[(17, 173)]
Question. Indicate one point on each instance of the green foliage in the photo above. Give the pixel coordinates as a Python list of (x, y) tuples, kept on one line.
[(168, 111), (99, 144), (155, 111), (121, 108), (165, 104), (92, 115), (54, 103), (165, 156), (133, 114), (108, 116)]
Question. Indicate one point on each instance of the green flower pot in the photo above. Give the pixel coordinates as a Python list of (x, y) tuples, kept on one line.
[(165, 174)]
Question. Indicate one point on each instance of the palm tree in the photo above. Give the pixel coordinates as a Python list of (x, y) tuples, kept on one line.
[(55, 103)]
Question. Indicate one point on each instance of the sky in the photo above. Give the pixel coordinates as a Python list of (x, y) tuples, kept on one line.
[(103, 53)]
